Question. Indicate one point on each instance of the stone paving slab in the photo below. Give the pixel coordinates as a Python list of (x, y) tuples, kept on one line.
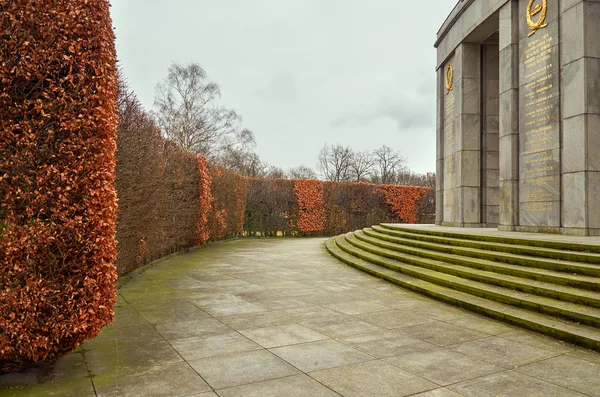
[(299, 386), (282, 335), (280, 317), (374, 378), (242, 368), (318, 355), (443, 366)]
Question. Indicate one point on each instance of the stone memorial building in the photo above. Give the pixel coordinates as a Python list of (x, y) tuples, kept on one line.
[(518, 116)]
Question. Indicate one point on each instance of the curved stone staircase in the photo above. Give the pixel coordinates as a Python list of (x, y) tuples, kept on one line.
[(552, 287)]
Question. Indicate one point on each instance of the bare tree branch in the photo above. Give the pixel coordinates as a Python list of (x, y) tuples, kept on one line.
[(388, 162), (334, 162), (187, 114)]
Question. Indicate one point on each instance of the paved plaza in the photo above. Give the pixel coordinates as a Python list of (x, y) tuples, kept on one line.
[(280, 317)]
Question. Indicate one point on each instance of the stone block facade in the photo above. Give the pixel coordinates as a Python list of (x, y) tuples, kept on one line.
[(518, 116)]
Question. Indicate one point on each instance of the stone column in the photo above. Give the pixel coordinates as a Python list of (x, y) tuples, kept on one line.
[(447, 144), (509, 117), (490, 140), (580, 115), (439, 178), (539, 118), (468, 135)]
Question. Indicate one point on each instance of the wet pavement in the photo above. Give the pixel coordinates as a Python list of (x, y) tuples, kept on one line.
[(281, 317)]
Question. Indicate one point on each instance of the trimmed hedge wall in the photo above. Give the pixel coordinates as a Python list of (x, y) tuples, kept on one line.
[(59, 108), (169, 199), (310, 207), (58, 115)]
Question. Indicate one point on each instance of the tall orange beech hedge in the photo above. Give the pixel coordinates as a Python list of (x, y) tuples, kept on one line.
[(404, 201), (169, 199), (58, 88), (205, 200), (327, 208), (311, 212)]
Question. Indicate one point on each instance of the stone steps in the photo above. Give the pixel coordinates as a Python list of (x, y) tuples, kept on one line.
[(532, 241), (502, 257), (550, 290), (515, 248), (558, 297), (556, 277)]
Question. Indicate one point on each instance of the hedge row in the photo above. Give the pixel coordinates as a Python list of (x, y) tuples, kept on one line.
[(58, 115), (58, 215), (310, 207), (169, 199)]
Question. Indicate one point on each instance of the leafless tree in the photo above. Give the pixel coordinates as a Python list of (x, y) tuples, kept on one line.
[(187, 113), (361, 165), (243, 161), (426, 180), (334, 162), (388, 162), (407, 177), (275, 173), (301, 172)]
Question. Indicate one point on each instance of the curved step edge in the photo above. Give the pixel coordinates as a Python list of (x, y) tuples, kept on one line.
[(576, 334), (500, 239), (550, 253), (537, 287), (534, 303)]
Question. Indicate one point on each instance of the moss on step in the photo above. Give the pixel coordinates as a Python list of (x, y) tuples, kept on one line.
[(528, 250), (575, 333), (559, 245), (522, 260)]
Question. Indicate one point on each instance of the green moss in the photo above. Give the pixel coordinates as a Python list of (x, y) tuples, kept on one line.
[(471, 295)]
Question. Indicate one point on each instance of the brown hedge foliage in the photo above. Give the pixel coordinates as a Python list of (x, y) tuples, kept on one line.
[(329, 208), (352, 206), (404, 201), (311, 211), (142, 194), (229, 191), (427, 207), (271, 207), (205, 200), (58, 88), (169, 199)]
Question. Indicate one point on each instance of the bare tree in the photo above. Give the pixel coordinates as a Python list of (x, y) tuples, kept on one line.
[(243, 161), (388, 162), (275, 173), (301, 172), (407, 177), (361, 165), (186, 112), (427, 179), (334, 162)]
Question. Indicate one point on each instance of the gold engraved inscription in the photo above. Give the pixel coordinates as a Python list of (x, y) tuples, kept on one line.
[(449, 125), (541, 9), (449, 79), (538, 191), (539, 115), (539, 165), (537, 206)]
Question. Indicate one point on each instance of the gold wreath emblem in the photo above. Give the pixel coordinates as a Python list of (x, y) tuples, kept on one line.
[(449, 79), (531, 12)]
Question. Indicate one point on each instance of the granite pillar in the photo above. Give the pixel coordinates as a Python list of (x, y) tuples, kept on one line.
[(509, 117), (519, 136)]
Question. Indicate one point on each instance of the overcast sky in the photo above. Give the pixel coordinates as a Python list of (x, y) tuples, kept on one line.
[(301, 73)]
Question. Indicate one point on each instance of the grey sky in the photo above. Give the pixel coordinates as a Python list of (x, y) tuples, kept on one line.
[(301, 72)]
